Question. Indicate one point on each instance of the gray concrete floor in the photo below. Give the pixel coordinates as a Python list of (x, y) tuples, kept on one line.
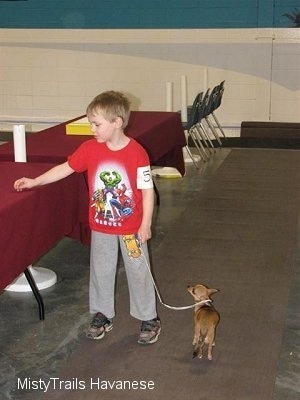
[(31, 348)]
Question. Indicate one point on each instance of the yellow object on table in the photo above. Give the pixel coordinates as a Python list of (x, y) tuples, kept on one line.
[(166, 172), (79, 127)]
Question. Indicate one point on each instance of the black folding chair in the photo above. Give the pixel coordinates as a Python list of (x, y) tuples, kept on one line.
[(191, 130), (216, 101), (204, 110)]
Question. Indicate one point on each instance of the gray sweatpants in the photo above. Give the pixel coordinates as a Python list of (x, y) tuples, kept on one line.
[(103, 265)]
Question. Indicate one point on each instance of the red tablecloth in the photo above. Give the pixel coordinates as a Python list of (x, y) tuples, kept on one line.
[(32, 221), (160, 133)]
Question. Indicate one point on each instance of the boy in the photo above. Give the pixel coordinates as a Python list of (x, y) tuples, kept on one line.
[(120, 213)]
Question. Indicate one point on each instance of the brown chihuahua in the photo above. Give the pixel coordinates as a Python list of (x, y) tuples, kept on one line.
[(206, 319)]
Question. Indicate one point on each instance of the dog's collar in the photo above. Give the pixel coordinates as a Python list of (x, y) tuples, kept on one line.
[(203, 303)]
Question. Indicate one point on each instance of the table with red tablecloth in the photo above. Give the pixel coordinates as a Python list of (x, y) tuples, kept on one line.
[(32, 221), (160, 133)]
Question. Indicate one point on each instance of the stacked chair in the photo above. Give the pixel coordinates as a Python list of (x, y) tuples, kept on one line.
[(193, 131), (214, 102), (202, 125)]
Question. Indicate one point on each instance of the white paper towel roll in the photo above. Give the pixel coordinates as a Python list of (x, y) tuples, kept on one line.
[(19, 143), (183, 99), (169, 96)]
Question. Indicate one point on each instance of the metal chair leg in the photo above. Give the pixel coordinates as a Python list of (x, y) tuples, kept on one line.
[(214, 132), (202, 155), (186, 133), (192, 157), (201, 138), (201, 149), (205, 137), (218, 124)]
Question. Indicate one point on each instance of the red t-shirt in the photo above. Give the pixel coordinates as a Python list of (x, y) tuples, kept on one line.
[(115, 182)]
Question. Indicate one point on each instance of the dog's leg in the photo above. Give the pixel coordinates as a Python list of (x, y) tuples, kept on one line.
[(201, 347), (210, 340), (198, 350), (196, 334), (196, 341), (209, 354)]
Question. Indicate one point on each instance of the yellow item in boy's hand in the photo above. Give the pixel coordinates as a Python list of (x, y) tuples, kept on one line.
[(132, 245)]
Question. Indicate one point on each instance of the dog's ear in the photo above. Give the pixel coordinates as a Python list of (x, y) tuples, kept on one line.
[(212, 291)]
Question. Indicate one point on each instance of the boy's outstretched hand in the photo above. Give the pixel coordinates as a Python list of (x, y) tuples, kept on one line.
[(52, 175), (23, 183)]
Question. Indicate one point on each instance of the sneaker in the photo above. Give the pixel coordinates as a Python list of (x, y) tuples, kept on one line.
[(98, 326), (150, 331)]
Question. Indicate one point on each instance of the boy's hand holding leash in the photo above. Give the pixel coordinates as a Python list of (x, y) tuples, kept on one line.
[(144, 234)]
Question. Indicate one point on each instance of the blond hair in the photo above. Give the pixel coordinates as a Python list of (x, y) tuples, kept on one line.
[(110, 105)]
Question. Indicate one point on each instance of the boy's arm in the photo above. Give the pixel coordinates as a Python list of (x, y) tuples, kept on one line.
[(144, 232), (52, 175)]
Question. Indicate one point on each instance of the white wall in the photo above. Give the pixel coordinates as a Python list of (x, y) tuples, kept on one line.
[(49, 76)]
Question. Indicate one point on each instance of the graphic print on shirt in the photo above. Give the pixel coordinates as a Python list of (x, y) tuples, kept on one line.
[(112, 200)]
